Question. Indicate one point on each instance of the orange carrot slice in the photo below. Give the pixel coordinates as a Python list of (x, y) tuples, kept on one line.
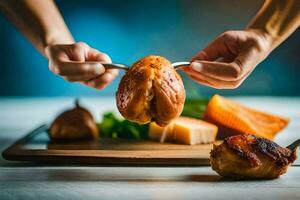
[(233, 118)]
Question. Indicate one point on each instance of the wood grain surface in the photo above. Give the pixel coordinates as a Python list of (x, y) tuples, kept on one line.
[(106, 151)]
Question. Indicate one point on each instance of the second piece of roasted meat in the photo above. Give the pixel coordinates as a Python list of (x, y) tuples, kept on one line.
[(151, 91), (250, 157)]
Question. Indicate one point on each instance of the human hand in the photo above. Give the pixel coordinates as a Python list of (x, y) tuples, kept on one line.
[(229, 59), (76, 63)]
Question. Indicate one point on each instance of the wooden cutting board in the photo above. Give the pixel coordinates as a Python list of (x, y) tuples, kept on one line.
[(36, 147)]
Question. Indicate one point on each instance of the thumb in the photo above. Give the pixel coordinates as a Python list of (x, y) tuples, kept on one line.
[(242, 65), (216, 70)]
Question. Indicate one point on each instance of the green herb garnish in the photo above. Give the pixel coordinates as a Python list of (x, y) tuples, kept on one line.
[(115, 127), (194, 108)]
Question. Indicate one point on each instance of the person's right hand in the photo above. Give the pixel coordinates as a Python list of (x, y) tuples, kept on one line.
[(76, 63), (229, 59)]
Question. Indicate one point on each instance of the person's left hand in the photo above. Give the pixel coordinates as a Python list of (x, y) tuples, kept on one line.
[(79, 62)]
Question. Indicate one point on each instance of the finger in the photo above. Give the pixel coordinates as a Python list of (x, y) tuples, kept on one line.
[(74, 78), (84, 69), (214, 83), (212, 51), (223, 46), (68, 52), (202, 55), (95, 55), (202, 81), (247, 61), (100, 82), (103, 80), (217, 70), (57, 52), (78, 51), (79, 78), (113, 72), (242, 65)]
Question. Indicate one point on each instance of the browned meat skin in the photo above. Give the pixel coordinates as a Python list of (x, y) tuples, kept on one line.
[(151, 91), (248, 156)]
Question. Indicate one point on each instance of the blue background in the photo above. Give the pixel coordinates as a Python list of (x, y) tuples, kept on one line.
[(131, 29)]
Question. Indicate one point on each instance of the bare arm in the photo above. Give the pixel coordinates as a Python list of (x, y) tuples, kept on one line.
[(41, 22), (277, 19), (230, 58)]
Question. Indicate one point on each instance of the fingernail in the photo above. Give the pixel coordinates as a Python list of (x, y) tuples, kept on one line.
[(197, 66), (99, 69)]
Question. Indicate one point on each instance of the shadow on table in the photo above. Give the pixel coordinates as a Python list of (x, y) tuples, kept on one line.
[(203, 178), (92, 174), (213, 178)]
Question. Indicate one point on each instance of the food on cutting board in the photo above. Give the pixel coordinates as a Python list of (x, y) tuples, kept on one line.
[(74, 124), (195, 107), (233, 118), (250, 157), (151, 91), (115, 127), (184, 130), (219, 113)]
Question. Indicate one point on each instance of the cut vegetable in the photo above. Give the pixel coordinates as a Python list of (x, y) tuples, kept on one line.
[(115, 127), (233, 118), (194, 108), (185, 130)]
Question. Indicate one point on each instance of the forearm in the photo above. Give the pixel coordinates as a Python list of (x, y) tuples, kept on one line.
[(39, 20), (277, 19)]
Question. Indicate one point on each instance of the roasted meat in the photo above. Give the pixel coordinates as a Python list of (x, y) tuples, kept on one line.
[(151, 91), (250, 157)]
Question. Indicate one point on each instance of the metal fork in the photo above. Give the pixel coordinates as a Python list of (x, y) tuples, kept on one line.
[(176, 65), (294, 145)]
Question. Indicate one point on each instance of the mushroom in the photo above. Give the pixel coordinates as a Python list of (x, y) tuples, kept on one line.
[(74, 124)]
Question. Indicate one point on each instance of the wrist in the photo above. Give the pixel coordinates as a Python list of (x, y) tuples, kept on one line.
[(265, 41), (57, 37)]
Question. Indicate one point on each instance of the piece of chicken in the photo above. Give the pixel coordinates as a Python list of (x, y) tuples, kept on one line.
[(250, 157), (151, 91)]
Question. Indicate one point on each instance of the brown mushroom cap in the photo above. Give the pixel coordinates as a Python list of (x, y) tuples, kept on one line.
[(76, 123), (151, 91)]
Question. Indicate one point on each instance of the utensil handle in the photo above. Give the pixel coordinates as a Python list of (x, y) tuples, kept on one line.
[(294, 145), (115, 66), (178, 65)]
